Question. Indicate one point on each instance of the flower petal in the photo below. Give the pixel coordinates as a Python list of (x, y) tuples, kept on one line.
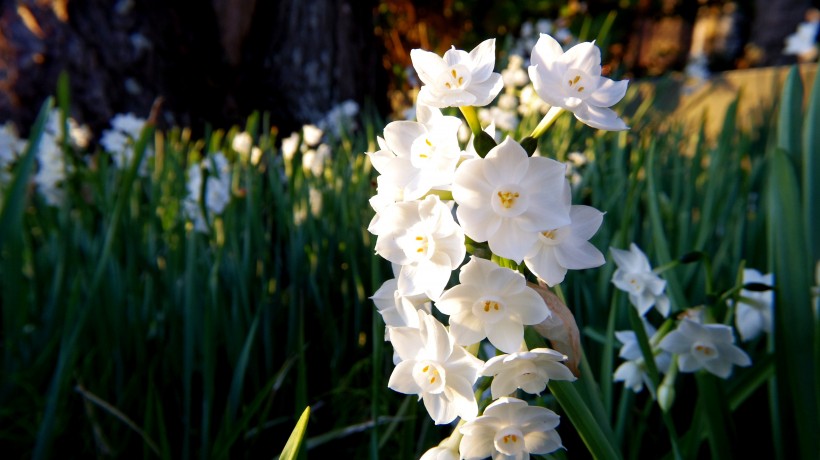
[(483, 58), (506, 335), (609, 92), (428, 65)]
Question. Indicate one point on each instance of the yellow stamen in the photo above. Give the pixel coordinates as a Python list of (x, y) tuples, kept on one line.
[(508, 198), (549, 234)]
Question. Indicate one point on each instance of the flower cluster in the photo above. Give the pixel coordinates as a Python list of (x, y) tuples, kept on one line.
[(696, 343), (437, 196)]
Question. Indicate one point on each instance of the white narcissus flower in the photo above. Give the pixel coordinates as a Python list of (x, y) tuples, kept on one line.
[(398, 310), (708, 346), (753, 313), (424, 239), (435, 368), (508, 198), (573, 81), (633, 371), (510, 429), (563, 248), (635, 277), (459, 78), (492, 302), (120, 139), (416, 157), (527, 370), (440, 453), (217, 190)]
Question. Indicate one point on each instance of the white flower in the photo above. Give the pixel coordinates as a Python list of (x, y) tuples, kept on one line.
[(120, 139), (217, 193), (508, 198), (52, 170), (459, 78), (440, 453), (312, 135), (573, 81), (753, 313), (314, 160), (635, 277), (527, 370), (11, 147), (424, 239), (563, 248), (416, 157), (633, 371), (398, 310), (708, 346), (804, 40), (242, 143), (492, 302), (435, 368), (290, 145), (510, 429)]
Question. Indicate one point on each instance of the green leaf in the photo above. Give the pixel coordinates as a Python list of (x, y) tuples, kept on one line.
[(791, 114), (794, 320), (11, 216), (291, 449), (811, 170), (583, 420)]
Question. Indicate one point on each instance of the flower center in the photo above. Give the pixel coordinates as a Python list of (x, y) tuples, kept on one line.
[(578, 85), (422, 151), (509, 201), (456, 77), (417, 244), (704, 351), (635, 284), (509, 441), (429, 376), (489, 309)]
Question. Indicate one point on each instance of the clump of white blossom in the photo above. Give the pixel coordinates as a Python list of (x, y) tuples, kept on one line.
[(436, 191)]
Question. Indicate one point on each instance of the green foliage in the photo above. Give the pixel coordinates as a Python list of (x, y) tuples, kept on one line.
[(126, 330)]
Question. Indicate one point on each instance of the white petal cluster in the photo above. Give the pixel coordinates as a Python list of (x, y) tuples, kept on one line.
[(573, 81), (635, 277), (705, 346), (435, 368), (510, 428), (753, 312), (492, 302), (458, 78), (563, 248), (120, 139), (423, 238), (529, 371), (433, 192), (633, 371), (507, 199), (214, 196)]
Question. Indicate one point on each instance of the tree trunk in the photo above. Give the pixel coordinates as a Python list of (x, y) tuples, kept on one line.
[(211, 62)]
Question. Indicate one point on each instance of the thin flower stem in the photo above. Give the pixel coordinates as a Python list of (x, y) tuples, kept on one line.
[(546, 122), (471, 116)]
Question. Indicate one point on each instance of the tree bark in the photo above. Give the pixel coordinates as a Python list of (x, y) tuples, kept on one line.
[(211, 62)]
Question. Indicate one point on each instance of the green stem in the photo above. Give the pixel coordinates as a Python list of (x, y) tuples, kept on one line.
[(583, 420), (546, 122), (471, 116)]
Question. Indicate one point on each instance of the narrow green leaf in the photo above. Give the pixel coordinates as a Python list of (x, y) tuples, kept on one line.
[(715, 415), (791, 114), (235, 393), (794, 321), (811, 172), (583, 420), (14, 202), (291, 449)]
